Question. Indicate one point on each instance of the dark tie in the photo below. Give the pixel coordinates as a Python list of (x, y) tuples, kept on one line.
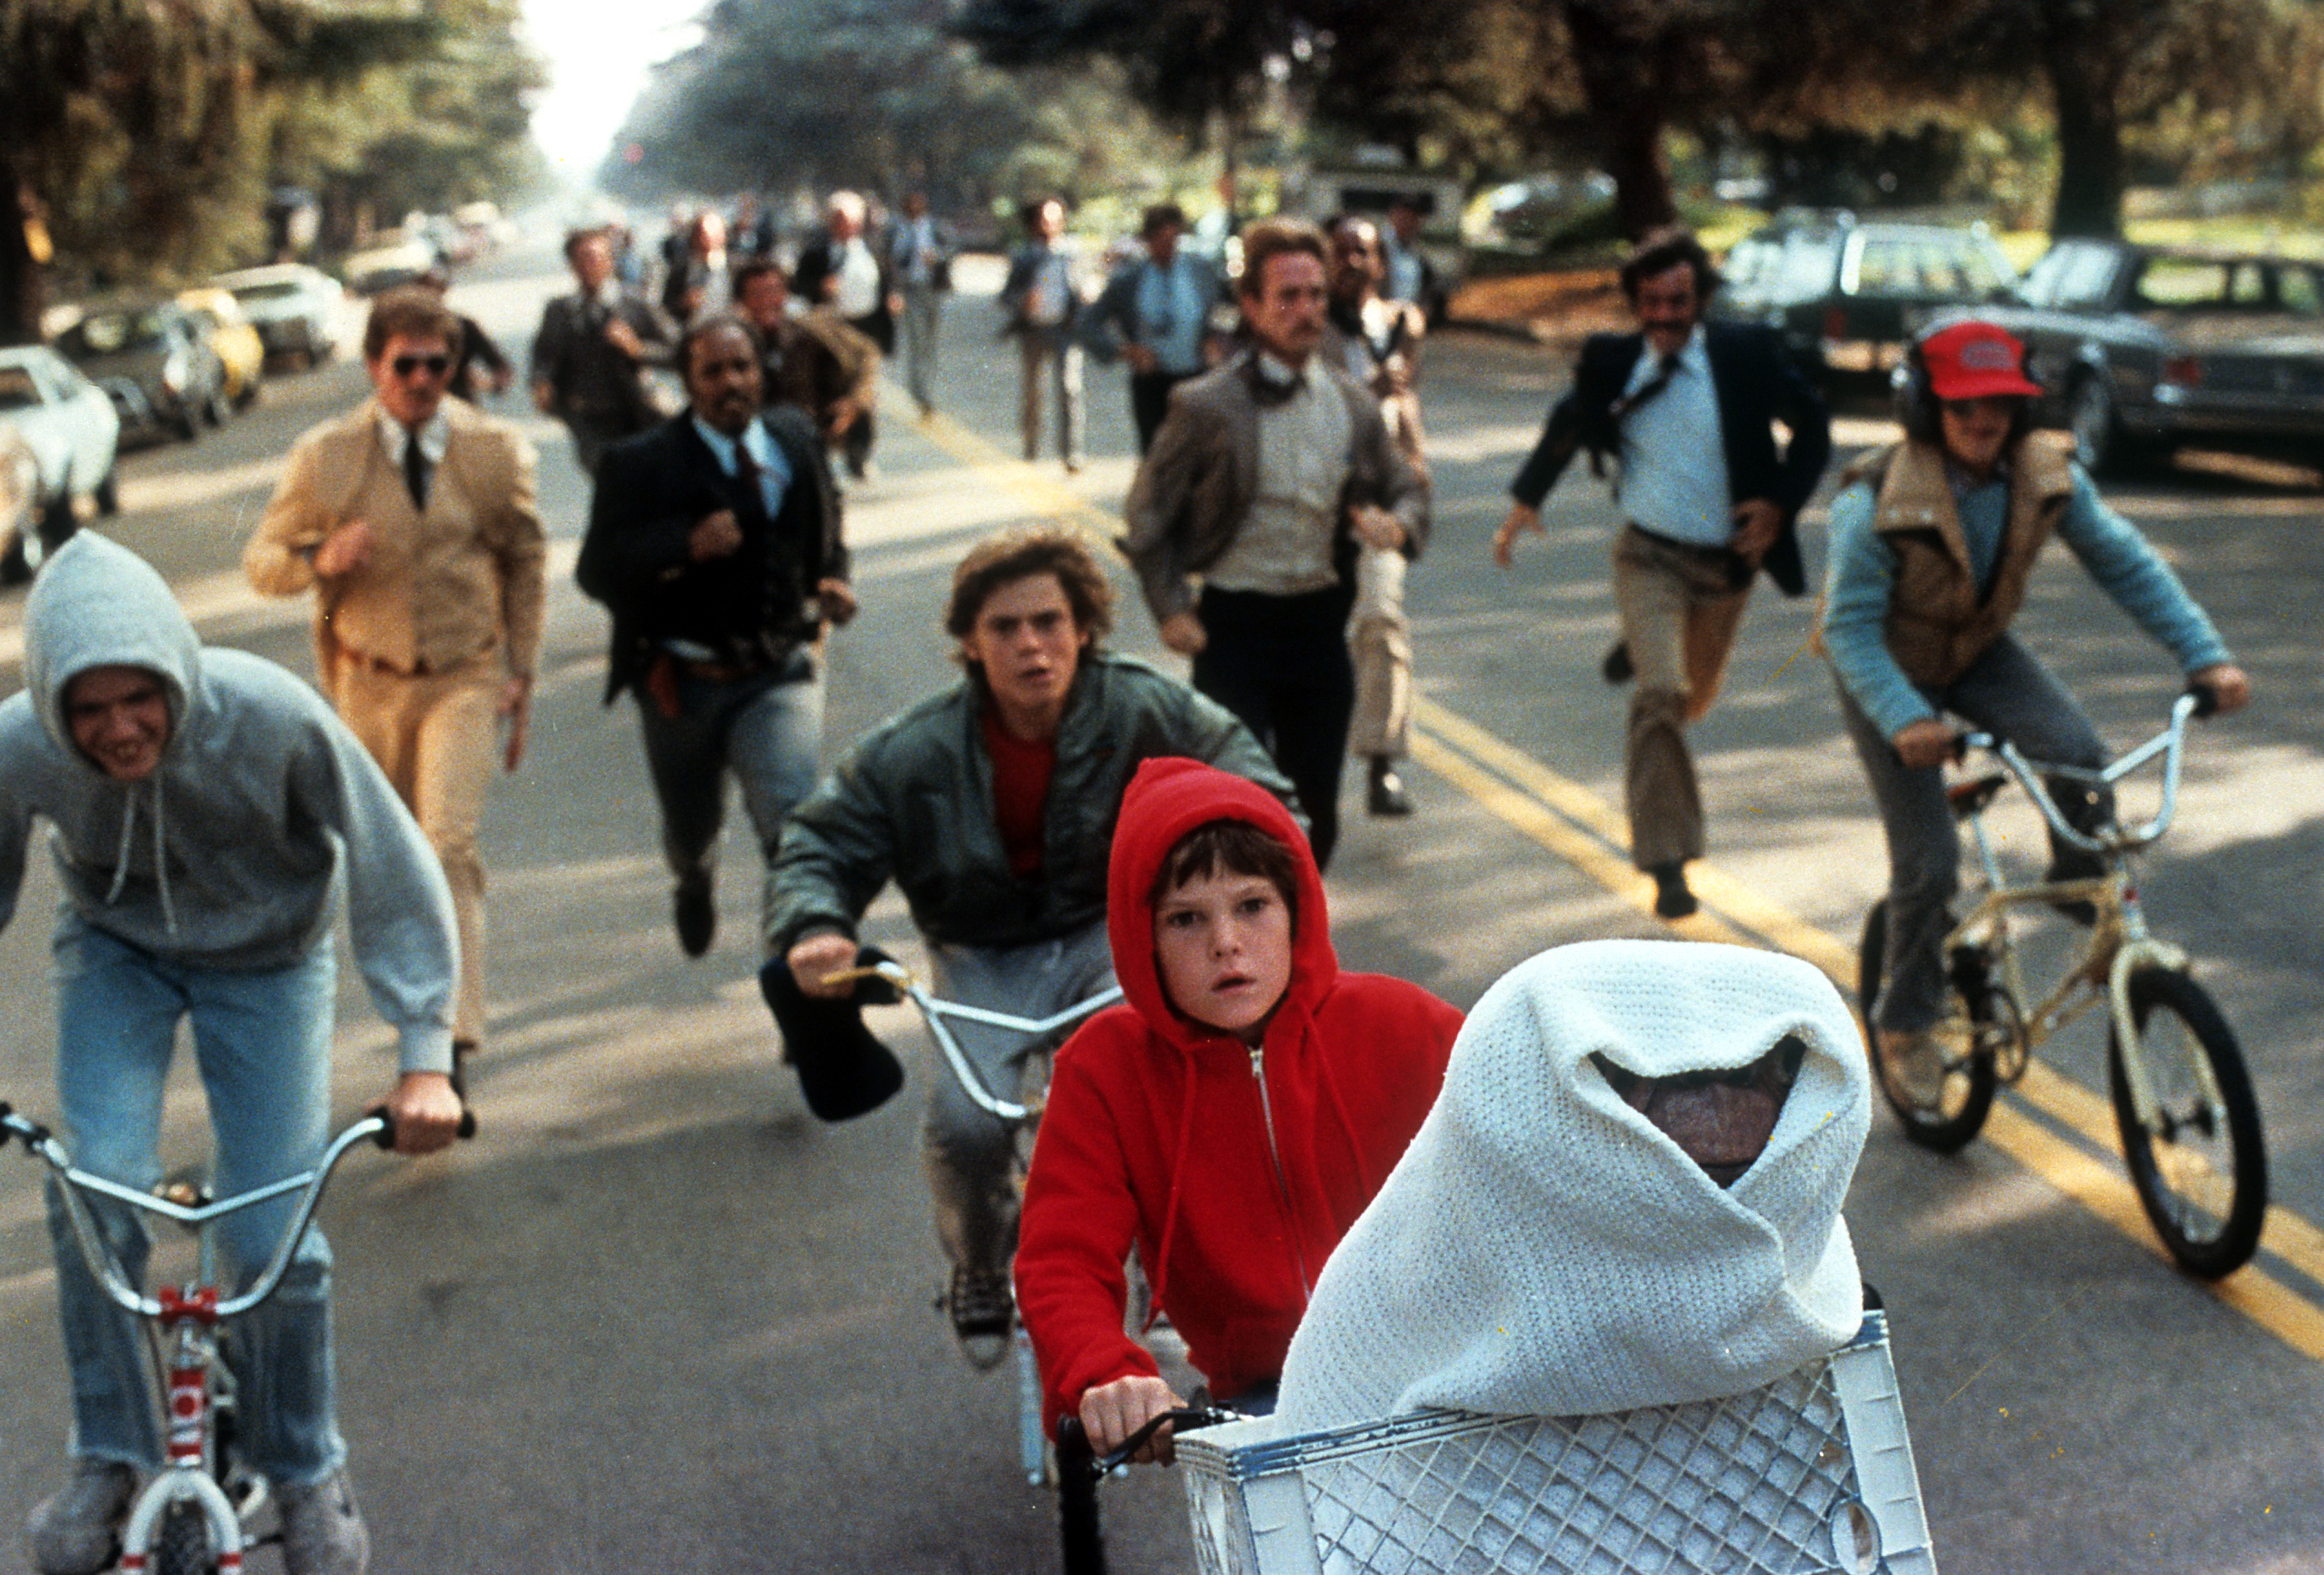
[(1664, 372), (754, 496), (415, 471)]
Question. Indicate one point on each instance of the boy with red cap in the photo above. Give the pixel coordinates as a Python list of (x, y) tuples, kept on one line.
[(1231, 1119), (1932, 542)]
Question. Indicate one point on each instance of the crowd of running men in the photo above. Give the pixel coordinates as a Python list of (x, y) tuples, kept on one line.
[(1061, 817)]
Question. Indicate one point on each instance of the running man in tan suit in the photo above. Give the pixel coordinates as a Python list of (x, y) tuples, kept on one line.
[(413, 520)]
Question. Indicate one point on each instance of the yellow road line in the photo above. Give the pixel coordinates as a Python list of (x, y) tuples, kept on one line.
[(1575, 825)]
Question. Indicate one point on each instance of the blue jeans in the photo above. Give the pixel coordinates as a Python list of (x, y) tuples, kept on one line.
[(262, 1044), (767, 729)]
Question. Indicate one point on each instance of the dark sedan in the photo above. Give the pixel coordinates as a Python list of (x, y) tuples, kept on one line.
[(2145, 348), (154, 361), (1846, 295)]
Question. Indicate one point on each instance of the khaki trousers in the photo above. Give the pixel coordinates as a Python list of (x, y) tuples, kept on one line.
[(1680, 612), (437, 735), (1381, 646)]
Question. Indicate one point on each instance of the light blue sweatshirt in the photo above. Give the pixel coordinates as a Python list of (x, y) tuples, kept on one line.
[(1860, 575), (226, 856)]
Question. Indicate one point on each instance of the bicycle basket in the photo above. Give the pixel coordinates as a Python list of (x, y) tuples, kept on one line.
[(1811, 1474)]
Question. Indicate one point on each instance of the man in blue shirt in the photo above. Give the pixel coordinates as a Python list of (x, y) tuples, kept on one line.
[(1043, 301), (715, 541), (1155, 314), (1708, 501), (1932, 547)]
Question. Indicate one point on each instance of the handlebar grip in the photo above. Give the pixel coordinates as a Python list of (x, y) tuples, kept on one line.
[(2207, 700), (386, 1138)]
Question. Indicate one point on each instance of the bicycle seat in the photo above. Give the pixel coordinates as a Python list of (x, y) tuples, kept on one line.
[(1969, 797)]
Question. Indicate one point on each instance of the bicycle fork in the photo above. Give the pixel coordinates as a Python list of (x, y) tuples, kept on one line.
[(191, 1319)]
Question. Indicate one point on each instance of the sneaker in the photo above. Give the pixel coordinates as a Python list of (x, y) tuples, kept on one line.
[(983, 1311), (694, 908), (1617, 667), (1673, 900), (322, 1529), (1388, 794), (76, 1529), (1913, 1064)]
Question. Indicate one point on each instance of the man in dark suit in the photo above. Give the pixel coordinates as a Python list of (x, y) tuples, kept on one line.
[(589, 357), (1709, 502), (847, 274), (715, 541)]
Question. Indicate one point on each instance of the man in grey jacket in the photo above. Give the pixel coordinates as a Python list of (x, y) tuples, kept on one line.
[(992, 806), (202, 804), (1266, 477)]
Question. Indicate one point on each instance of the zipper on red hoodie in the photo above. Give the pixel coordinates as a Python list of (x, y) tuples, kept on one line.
[(1282, 1182)]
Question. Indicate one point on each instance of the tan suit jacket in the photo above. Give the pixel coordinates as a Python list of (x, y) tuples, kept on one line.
[(440, 589)]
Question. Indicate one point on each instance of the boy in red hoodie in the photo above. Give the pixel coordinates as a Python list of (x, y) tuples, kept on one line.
[(1232, 1118)]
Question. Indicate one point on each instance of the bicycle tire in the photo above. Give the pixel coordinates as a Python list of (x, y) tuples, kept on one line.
[(1959, 1113), (2206, 1200), (181, 1542)]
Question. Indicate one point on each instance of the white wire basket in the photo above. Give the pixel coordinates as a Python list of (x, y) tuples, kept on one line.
[(1812, 1474)]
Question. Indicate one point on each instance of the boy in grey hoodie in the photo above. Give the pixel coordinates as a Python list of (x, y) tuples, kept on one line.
[(202, 802)]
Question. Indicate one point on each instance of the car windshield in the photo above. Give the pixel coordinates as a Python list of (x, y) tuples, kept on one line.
[(103, 333), (17, 389), (1925, 264), (280, 290), (2071, 276)]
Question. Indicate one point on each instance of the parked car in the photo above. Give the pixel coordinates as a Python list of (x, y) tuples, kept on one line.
[(232, 337), (295, 309), (154, 362), (1847, 295), (70, 427), (2142, 348), (385, 266), (20, 506)]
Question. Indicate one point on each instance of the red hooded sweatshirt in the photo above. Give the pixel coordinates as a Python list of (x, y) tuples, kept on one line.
[(1235, 1170)]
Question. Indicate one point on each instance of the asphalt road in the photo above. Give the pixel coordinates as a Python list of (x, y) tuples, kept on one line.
[(656, 1316)]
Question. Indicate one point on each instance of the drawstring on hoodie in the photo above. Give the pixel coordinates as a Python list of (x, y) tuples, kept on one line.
[(161, 860), (1158, 1272)]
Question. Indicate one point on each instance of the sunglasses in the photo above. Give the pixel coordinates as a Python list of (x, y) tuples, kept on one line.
[(433, 366)]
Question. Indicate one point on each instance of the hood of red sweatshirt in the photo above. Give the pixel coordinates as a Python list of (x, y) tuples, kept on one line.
[(1168, 798)]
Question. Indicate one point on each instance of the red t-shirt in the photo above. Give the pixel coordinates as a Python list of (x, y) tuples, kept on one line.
[(1020, 791)]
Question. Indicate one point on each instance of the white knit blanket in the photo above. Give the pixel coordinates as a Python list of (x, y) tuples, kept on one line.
[(1542, 1248)]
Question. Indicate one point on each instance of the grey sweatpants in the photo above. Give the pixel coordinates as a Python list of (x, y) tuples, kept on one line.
[(968, 1153), (2009, 695)]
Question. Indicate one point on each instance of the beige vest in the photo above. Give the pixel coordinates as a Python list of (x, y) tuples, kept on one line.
[(1937, 623)]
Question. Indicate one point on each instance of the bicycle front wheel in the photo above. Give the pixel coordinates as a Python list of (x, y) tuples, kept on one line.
[(1958, 1113), (181, 1542), (2199, 1168)]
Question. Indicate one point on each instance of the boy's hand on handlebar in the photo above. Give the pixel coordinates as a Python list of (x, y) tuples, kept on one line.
[(2229, 685), (425, 1110), (819, 955), (1111, 1412), (1926, 742)]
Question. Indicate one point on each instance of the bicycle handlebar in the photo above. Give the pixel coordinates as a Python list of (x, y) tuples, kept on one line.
[(2199, 700), (40, 1142)]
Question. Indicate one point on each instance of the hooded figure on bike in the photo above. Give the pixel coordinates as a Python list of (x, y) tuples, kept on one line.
[(203, 805), (1933, 542)]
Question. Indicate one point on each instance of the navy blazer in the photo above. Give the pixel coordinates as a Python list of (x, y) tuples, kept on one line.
[(1756, 385), (654, 489)]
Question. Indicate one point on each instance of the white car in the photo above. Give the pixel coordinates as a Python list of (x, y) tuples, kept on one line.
[(296, 309), (73, 431)]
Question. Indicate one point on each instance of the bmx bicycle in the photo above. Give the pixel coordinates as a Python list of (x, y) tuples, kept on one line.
[(2182, 1101), (192, 1518), (881, 981)]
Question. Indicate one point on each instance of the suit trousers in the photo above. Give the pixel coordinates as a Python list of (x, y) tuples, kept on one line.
[(1149, 401), (1679, 609), (1051, 356), (766, 731), (1280, 664), (436, 736), (923, 317), (1381, 646)]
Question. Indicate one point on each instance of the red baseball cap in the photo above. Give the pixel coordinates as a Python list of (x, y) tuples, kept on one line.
[(1975, 361)]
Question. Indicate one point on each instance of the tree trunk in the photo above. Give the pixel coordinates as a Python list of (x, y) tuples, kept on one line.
[(23, 293), (1616, 82), (2089, 202)]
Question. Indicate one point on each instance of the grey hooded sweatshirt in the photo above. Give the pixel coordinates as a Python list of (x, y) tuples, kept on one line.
[(225, 856)]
